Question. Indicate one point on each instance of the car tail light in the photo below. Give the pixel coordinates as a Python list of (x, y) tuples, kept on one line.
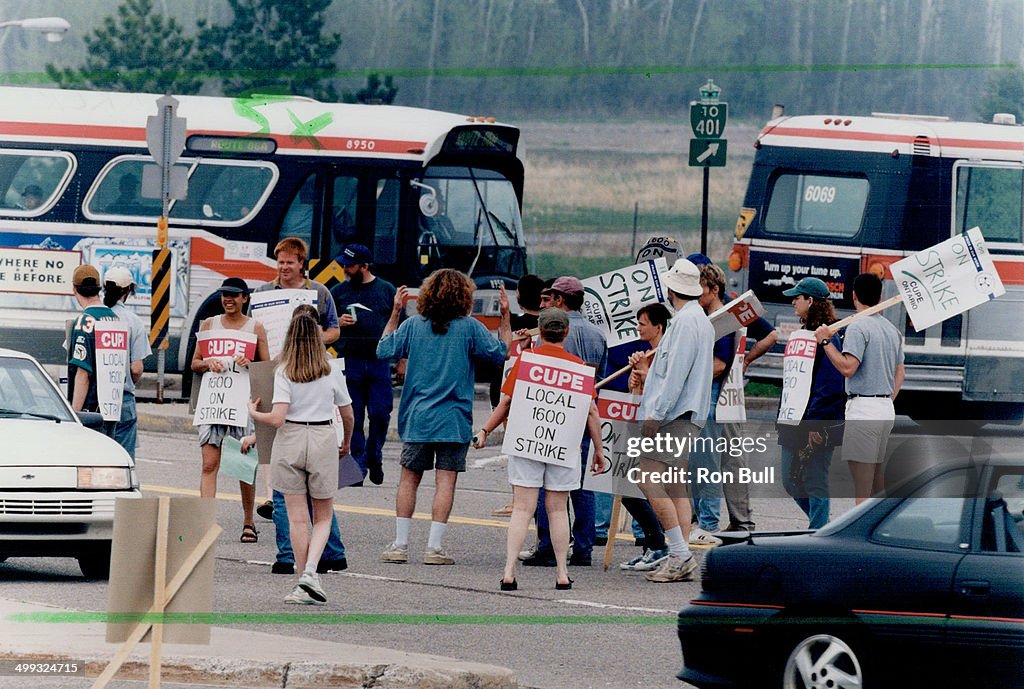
[(104, 478)]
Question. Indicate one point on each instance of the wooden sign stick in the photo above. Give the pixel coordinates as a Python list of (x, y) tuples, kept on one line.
[(528, 335), (613, 531), (163, 522), (870, 311), (172, 589), (625, 369)]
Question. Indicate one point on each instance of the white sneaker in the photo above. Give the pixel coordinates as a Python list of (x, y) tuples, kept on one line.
[(528, 553), (437, 556), (310, 583), (701, 537), (298, 597), (395, 553), (674, 568)]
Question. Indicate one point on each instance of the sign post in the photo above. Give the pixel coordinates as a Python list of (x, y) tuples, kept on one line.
[(707, 148), (165, 138)]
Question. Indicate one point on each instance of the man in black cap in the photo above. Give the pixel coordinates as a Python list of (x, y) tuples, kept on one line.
[(364, 302)]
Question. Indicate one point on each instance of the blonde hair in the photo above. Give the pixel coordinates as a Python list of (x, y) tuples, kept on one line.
[(304, 358), (713, 276)]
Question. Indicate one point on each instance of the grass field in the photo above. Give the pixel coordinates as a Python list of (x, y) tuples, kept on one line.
[(586, 183)]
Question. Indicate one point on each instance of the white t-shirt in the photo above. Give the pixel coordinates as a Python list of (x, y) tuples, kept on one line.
[(315, 401)]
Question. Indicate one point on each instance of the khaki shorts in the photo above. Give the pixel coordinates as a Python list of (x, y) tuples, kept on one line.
[(305, 460), (681, 429), (869, 421), (530, 473)]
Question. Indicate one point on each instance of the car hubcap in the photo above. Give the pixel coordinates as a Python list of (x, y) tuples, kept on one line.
[(822, 661)]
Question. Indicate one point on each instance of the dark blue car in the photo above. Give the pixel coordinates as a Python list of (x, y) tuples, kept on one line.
[(921, 588)]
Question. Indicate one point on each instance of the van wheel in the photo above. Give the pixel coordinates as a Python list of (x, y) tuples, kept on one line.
[(95, 564), (823, 660)]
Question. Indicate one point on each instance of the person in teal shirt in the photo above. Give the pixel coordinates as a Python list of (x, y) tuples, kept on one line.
[(435, 415), (82, 344)]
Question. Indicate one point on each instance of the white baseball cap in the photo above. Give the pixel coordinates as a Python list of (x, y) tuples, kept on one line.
[(683, 278), (120, 276)]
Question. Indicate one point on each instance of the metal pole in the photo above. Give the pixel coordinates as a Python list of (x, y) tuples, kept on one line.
[(636, 217), (165, 198), (704, 213)]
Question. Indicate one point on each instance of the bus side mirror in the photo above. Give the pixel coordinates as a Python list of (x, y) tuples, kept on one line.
[(429, 205)]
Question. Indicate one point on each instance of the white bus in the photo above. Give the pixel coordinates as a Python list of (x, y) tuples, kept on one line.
[(834, 196), (423, 189)]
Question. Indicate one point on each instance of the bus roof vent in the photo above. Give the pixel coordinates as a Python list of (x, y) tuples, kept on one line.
[(922, 146), (1004, 118), (905, 116)]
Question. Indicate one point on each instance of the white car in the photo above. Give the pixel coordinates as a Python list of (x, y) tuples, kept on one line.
[(58, 478)]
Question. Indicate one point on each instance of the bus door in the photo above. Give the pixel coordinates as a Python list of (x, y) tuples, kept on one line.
[(990, 195)]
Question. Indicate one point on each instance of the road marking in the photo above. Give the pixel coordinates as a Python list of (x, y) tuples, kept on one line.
[(609, 606), (487, 461), (154, 461)]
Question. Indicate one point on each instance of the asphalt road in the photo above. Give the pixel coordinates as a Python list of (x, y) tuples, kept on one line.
[(612, 630)]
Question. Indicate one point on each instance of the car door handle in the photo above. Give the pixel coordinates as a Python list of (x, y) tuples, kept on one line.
[(974, 588)]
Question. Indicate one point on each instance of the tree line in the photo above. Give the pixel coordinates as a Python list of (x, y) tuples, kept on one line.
[(572, 58)]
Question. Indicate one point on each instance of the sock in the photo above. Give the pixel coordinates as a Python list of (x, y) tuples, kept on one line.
[(676, 543), (436, 534), (402, 525), (311, 567)]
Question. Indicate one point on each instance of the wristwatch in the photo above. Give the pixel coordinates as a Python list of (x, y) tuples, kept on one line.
[(825, 342)]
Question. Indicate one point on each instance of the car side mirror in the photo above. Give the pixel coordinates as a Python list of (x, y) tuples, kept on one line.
[(91, 419)]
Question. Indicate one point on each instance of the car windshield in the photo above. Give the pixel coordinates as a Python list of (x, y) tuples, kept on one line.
[(25, 392), (847, 518)]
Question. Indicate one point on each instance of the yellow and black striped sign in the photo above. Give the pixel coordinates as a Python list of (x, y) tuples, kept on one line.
[(160, 302), (326, 271)]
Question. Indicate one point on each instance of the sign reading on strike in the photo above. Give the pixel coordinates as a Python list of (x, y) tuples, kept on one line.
[(797, 370), (111, 367), (738, 313), (550, 405), (224, 397), (611, 300), (947, 279), (226, 343), (618, 423), (731, 406)]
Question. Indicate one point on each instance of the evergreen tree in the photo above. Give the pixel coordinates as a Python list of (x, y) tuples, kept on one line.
[(138, 51), (375, 91), (1003, 92), (272, 46)]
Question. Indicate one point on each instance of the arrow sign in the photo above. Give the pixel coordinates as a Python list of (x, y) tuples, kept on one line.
[(712, 150), (708, 152)]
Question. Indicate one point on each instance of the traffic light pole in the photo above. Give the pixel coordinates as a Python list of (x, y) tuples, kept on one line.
[(704, 213)]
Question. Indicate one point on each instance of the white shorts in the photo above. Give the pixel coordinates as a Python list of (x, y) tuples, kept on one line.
[(869, 421), (529, 473)]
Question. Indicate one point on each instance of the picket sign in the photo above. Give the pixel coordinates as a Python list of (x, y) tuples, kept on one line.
[(731, 405), (611, 300), (111, 367), (550, 406), (273, 309), (618, 412), (940, 282), (738, 313), (797, 371)]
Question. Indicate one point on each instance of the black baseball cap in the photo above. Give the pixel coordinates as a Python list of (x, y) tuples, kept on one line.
[(234, 286)]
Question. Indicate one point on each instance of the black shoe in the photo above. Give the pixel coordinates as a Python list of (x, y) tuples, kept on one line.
[(579, 561), (509, 585), (283, 568), (540, 560), (563, 587), (266, 510), (376, 474), (331, 565), (601, 540)]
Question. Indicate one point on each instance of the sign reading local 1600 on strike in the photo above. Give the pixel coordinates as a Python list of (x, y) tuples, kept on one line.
[(947, 279), (550, 405)]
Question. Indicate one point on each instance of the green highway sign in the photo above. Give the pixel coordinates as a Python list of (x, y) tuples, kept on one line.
[(708, 119), (707, 152)]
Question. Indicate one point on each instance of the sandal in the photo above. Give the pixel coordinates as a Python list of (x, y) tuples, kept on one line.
[(249, 534)]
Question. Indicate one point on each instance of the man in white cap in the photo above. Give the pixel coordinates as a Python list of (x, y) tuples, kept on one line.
[(675, 404), (118, 285)]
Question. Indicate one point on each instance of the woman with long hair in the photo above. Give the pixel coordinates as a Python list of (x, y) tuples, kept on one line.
[(304, 460), (807, 447), (234, 298), (443, 343)]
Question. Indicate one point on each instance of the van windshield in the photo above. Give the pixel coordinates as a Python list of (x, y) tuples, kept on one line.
[(818, 205)]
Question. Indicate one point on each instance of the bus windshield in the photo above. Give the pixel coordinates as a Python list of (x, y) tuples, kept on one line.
[(471, 206)]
